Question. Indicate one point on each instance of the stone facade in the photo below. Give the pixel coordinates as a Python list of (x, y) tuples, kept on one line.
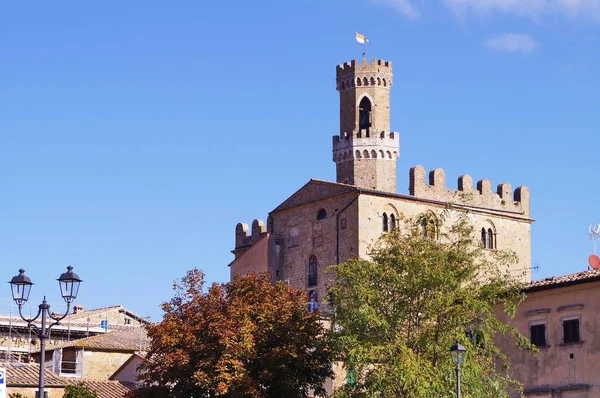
[(101, 365), (330, 222)]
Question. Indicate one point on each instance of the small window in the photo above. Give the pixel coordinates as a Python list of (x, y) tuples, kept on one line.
[(322, 214), (483, 238), (571, 331), (385, 227), (127, 321), (392, 222), (312, 271), (313, 302), (538, 335)]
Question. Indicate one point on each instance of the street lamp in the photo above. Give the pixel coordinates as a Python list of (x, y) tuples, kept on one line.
[(458, 353), (21, 287)]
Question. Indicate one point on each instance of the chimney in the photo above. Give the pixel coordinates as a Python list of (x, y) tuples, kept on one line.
[(77, 309)]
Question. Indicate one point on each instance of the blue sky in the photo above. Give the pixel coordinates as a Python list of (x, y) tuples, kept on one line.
[(134, 135)]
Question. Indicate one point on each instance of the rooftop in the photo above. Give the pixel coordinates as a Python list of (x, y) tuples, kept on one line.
[(564, 280), (26, 375), (134, 339)]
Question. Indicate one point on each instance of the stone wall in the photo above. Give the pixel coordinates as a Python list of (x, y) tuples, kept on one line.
[(558, 367), (511, 234), (504, 199), (254, 258), (30, 392), (305, 236), (101, 365)]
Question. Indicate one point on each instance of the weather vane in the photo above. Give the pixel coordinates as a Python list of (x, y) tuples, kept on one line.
[(364, 41)]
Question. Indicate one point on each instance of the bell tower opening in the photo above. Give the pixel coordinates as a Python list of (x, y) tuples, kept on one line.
[(364, 115)]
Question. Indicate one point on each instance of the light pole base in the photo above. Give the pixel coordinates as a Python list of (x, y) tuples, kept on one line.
[(37, 394)]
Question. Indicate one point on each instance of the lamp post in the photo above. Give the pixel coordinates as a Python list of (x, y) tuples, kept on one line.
[(21, 287), (458, 353)]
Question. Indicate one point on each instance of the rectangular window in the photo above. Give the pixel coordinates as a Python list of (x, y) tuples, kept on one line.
[(571, 331), (127, 321), (538, 335)]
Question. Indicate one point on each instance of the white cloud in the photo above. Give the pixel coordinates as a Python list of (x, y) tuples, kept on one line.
[(512, 42), (403, 6), (530, 8)]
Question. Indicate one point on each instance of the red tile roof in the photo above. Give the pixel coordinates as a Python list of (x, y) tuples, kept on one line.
[(133, 340), (564, 280), (109, 388), (26, 375)]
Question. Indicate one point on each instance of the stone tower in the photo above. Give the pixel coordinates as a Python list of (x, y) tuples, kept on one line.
[(366, 150)]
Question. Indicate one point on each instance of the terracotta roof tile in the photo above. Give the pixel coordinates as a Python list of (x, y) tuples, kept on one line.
[(26, 375), (569, 279), (82, 316), (109, 388), (21, 374), (124, 340)]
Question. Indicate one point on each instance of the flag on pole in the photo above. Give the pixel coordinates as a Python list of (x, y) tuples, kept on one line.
[(361, 38)]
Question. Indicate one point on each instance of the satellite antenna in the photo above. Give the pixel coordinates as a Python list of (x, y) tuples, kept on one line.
[(593, 259)]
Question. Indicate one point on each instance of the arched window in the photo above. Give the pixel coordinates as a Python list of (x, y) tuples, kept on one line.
[(322, 214), (385, 226), (364, 114), (392, 222), (312, 271), (313, 301), (488, 236)]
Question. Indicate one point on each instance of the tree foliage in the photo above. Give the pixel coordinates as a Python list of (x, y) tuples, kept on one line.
[(429, 284), (79, 390), (247, 338)]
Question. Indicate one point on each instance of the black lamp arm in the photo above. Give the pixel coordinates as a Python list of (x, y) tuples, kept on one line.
[(57, 319), (29, 320)]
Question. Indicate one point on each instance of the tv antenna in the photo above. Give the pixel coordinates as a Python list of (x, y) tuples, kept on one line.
[(593, 259)]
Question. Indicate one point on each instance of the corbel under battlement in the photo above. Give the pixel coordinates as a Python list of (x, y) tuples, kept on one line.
[(482, 196), (363, 145)]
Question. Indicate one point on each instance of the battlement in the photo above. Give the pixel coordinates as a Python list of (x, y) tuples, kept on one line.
[(245, 238), (503, 199), (376, 65), (363, 145), (376, 74)]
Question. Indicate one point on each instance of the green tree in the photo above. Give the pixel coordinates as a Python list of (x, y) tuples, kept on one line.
[(429, 284), (247, 338), (79, 390)]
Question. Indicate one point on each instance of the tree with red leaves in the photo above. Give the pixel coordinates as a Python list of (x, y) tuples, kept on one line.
[(247, 338)]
